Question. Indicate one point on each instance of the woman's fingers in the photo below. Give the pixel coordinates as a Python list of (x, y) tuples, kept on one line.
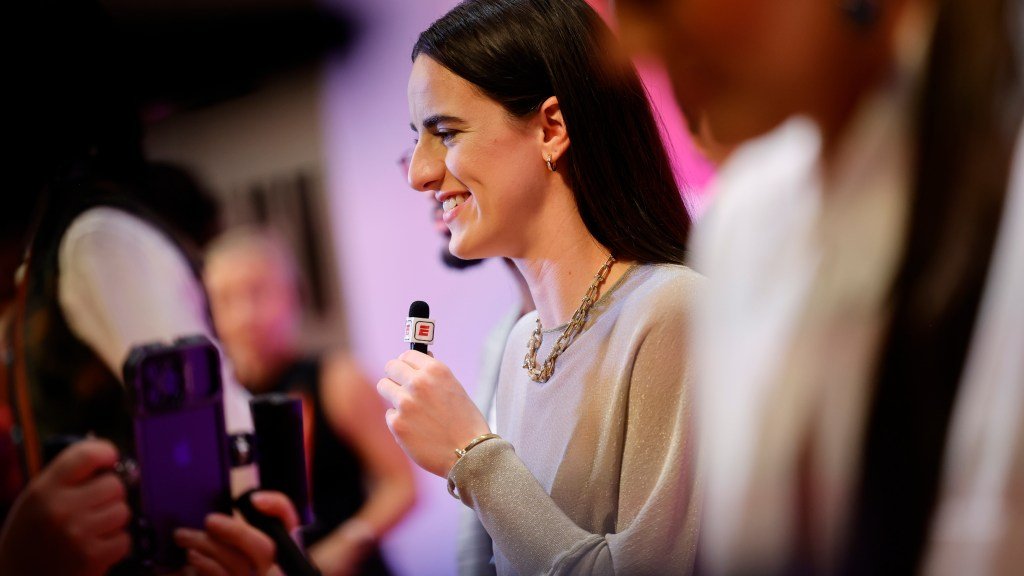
[(256, 546), (416, 359), (227, 560), (430, 413), (107, 520), (110, 550), (82, 460), (390, 391), (204, 565), (400, 371), (390, 416), (100, 491), (277, 505)]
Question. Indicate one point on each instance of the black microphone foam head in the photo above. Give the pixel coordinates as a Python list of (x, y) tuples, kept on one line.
[(419, 309)]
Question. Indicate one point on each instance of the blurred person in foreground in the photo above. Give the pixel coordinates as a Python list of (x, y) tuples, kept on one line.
[(361, 482), (860, 368), (535, 133), (98, 272)]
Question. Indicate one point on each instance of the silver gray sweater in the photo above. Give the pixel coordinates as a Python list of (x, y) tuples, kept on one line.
[(596, 471)]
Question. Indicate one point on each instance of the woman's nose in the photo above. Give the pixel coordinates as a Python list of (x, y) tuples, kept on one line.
[(426, 169)]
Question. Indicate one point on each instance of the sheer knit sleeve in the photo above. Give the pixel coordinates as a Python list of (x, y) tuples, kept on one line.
[(656, 518)]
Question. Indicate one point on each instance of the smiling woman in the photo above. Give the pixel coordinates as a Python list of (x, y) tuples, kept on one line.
[(479, 163), (536, 136)]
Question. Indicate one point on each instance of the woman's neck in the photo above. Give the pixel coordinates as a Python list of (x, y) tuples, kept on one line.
[(526, 304), (561, 271)]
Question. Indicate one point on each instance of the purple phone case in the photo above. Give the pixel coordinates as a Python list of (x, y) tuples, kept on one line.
[(181, 444)]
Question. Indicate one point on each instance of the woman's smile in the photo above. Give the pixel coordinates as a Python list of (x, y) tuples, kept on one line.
[(452, 205)]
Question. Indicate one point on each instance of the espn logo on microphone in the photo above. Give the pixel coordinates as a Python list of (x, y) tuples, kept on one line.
[(419, 330)]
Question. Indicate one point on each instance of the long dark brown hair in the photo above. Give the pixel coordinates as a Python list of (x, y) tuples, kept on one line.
[(968, 117), (521, 52)]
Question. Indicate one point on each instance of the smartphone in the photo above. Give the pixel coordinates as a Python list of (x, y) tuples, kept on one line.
[(181, 449)]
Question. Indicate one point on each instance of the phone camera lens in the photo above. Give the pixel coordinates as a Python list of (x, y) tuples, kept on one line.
[(165, 385)]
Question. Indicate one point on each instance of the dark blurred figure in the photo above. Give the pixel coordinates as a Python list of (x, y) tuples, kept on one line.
[(861, 365), (100, 271), (12, 250), (361, 483), (177, 195)]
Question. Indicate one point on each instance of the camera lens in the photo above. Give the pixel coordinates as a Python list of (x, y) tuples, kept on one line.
[(205, 375), (164, 383)]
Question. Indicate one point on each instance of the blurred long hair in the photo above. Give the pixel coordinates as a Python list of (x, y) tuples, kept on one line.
[(968, 117)]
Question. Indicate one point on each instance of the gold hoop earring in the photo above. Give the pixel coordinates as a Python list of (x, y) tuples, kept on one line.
[(550, 163)]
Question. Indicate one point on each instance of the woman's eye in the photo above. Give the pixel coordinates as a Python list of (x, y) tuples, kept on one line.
[(446, 136)]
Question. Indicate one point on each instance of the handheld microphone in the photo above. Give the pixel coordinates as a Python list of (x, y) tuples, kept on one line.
[(419, 329)]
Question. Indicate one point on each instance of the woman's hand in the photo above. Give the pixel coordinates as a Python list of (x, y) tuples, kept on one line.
[(431, 415), (230, 546)]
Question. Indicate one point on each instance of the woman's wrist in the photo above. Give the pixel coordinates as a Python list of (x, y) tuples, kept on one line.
[(460, 453)]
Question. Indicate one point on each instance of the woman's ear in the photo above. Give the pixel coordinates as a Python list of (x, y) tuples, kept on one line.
[(555, 135)]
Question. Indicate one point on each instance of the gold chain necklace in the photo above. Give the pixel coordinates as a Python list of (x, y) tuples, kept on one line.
[(579, 318)]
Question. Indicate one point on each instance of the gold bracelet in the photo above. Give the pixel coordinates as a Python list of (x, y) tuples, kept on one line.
[(460, 452)]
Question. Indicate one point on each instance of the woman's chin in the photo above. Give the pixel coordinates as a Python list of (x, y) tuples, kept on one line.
[(475, 246), (463, 254), (465, 249)]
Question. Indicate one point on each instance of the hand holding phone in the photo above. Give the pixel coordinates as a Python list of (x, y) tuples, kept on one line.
[(290, 558), (76, 506), (180, 444)]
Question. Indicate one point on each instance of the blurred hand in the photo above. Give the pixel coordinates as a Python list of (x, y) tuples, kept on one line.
[(336, 557), (342, 552), (71, 519), (231, 546), (431, 415)]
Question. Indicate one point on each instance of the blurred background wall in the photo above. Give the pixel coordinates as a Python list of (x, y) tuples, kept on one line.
[(294, 113)]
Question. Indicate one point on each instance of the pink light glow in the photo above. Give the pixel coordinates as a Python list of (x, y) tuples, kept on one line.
[(693, 171)]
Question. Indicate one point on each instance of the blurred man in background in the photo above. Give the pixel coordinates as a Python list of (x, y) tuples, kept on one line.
[(361, 482)]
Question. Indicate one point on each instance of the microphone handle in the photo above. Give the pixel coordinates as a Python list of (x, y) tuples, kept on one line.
[(418, 346), (290, 558)]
